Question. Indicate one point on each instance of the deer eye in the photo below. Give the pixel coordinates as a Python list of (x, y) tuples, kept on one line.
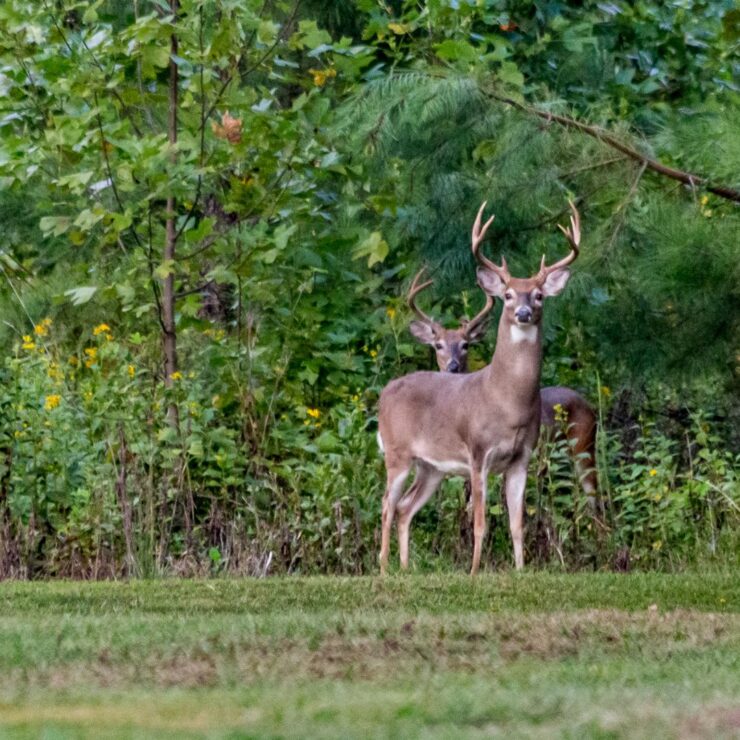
[(464, 345), (438, 345), (507, 295), (538, 296)]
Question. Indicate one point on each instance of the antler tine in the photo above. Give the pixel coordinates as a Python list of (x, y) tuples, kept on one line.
[(573, 235), (413, 290), (478, 235), (481, 315)]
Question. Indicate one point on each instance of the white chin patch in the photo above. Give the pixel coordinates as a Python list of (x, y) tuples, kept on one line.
[(523, 333), (380, 444)]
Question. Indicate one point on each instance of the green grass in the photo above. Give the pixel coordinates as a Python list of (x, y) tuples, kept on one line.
[(543, 655)]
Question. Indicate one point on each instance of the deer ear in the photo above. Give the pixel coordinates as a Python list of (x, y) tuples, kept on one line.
[(491, 282), (555, 282), (423, 332)]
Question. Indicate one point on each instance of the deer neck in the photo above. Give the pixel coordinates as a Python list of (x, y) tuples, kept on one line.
[(517, 360)]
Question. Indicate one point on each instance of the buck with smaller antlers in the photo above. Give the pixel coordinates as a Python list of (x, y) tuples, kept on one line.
[(557, 403), (474, 423)]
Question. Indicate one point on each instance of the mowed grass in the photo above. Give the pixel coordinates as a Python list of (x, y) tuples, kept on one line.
[(533, 654)]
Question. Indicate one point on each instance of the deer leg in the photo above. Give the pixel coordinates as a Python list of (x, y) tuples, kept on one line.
[(427, 480), (582, 438), (478, 492), (515, 482), (395, 479)]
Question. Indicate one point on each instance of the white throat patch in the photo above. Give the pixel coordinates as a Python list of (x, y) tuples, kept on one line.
[(523, 333)]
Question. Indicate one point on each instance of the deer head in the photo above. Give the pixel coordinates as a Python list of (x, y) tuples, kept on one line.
[(523, 297), (450, 345)]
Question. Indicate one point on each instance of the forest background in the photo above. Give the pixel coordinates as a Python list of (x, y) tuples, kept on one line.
[(211, 213)]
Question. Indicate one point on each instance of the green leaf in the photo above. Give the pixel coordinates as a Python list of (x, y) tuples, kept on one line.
[(460, 51), (282, 234), (55, 225), (154, 57), (375, 248), (81, 294), (509, 74), (165, 269)]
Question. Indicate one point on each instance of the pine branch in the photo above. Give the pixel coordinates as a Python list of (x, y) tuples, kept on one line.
[(600, 134)]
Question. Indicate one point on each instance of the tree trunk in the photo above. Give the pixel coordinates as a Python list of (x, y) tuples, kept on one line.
[(168, 292)]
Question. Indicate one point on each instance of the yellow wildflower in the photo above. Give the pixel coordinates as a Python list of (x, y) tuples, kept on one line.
[(704, 199), (606, 391), (653, 473), (320, 76), (51, 402), (92, 354), (390, 312), (657, 544), (131, 371), (177, 375), (314, 413), (88, 395), (42, 328), (100, 328), (373, 353), (28, 342)]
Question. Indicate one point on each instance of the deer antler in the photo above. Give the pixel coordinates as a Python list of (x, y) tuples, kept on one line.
[(573, 235), (478, 235), (413, 290), (478, 318)]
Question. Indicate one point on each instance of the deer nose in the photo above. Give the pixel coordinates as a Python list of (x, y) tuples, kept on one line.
[(523, 314), (453, 366)]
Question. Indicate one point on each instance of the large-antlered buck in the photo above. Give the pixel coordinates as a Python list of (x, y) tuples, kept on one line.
[(477, 423), (558, 404)]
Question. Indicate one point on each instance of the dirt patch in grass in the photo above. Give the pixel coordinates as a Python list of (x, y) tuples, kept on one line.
[(375, 646), (717, 722)]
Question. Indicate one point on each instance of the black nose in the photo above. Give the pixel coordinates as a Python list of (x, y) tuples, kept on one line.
[(453, 366), (523, 314)]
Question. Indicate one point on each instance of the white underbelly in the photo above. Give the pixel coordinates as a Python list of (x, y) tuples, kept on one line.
[(449, 467)]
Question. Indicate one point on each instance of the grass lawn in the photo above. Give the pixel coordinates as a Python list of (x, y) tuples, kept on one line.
[(535, 655)]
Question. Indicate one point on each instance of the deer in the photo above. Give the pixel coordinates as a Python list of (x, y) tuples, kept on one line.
[(473, 424), (557, 403)]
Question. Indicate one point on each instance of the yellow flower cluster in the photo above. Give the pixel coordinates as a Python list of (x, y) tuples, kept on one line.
[(28, 343), (51, 402), (561, 414), (131, 371), (42, 328), (103, 329), (706, 212), (653, 473), (320, 76), (92, 356), (177, 375), (313, 413)]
